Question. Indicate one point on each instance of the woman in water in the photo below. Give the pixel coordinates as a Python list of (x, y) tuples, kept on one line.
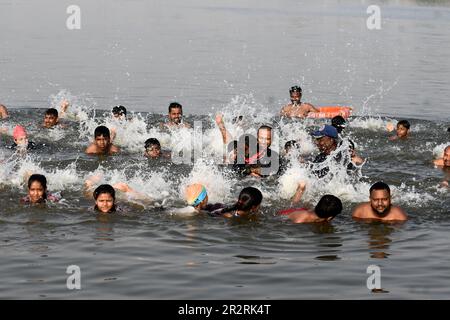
[(37, 191)]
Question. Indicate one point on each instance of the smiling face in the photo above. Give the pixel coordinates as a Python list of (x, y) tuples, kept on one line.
[(36, 192), (295, 97), (153, 151), (104, 202), (326, 144), (50, 120), (380, 201), (264, 138), (175, 115)]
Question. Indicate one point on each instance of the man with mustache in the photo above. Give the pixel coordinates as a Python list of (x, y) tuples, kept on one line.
[(379, 207)]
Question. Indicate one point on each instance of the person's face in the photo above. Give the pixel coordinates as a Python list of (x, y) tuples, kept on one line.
[(325, 144), (118, 116), (50, 120), (264, 138), (295, 97), (447, 157), (104, 202), (102, 142), (153, 151), (22, 141), (401, 131), (175, 115), (36, 192), (380, 201)]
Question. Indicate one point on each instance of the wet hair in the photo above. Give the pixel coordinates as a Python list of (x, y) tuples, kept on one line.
[(175, 105), (380, 186), (101, 131), (447, 147), (448, 129), (105, 188), (152, 142), (41, 179), (52, 112), (264, 126), (339, 123), (328, 206), (295, 89), (120, 110), (249, 198), (291, 144), (404, 123)]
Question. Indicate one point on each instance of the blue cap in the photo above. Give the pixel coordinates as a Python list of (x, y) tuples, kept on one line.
[(327, 130)]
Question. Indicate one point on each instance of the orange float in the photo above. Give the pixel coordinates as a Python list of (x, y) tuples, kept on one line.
[(331, 112)]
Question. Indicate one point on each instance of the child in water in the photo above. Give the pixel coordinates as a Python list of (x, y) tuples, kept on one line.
[(402, 132), (37, 191)]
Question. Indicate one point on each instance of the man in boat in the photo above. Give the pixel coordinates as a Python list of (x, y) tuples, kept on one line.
[(297, 109)]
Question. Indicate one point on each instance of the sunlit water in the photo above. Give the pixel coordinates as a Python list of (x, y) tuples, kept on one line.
[(239, 59)]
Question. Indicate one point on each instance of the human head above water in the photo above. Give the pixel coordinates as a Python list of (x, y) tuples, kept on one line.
[(264, 136), (175, 112), (152, 148), (105, 198), (37, 188), (380, 198), (328, 207), (446, 157), (295, 93), (403, 127), (249, 200), (50, 117), (196, 195), (119, 112), (339, 123), (20, 136)]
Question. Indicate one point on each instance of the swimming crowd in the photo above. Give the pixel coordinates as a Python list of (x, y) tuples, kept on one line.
[(243, 158)]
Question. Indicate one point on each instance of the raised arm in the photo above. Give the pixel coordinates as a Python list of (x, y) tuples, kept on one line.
[(226, 136), (299, 193)]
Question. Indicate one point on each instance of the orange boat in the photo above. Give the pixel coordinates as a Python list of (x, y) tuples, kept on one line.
[(331, 112)]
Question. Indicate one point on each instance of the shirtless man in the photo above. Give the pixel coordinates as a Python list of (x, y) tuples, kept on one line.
[(326, 209), (379, 207), (175, 117), (102, 143), (297, 108)]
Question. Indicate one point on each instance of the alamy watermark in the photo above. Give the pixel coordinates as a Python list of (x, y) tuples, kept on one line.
[(374, 20), (73, 22), (74, 280), (374, 280)]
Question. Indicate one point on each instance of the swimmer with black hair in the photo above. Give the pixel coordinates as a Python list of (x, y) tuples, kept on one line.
[(379, 207), (102, 143), (297, 109), (174, 118), (37, 191), (153, 150), (402, 132), (328, 207), (247, 206)]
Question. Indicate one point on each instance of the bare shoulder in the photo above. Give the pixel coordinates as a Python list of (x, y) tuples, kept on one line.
[(114, 149), (92, 148), (360, 211), (398, 213)]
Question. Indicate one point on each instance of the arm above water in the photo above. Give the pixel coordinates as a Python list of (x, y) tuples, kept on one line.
[(125, 188), (298, 193), (226, 136)]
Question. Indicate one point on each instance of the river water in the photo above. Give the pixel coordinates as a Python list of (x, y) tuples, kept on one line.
[(240, 58)]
